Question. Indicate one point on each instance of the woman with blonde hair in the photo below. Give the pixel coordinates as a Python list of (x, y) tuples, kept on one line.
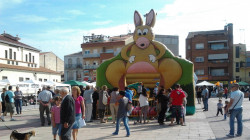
[(102, 105), (79, 110)]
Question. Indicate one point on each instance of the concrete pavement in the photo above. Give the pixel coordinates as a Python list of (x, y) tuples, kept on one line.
[(202, 125)]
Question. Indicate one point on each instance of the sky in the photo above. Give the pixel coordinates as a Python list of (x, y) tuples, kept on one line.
[(59, 25)]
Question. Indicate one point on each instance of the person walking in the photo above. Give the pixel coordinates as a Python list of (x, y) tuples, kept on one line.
[(45, 98), (101, 105), (122, 114), (205, 95), (88, 93), (95, 99), (9, 103), (225, 92), (143, 100), (235, 109), (163, 101), (79, 110), (113, 99), (176, 100), (18, 100), (67, 114)]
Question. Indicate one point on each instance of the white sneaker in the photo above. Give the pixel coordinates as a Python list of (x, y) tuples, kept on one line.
[(2, 118), (12, 119)]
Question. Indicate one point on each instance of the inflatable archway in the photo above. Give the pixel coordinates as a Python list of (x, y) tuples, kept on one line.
[(148, 61)]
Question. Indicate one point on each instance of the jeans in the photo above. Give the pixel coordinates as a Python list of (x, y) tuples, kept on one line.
[(19, 104), (125, 122), (236, 113), (206, 103)]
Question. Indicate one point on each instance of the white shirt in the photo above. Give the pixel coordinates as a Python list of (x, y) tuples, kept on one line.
[(45, 96), (237, 96), (143, 101)]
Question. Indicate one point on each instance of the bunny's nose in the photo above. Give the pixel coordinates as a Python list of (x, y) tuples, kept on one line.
[(142, 42)]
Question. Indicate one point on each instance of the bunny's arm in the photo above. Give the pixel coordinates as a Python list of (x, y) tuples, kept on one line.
[(125, 50), (162, 48)]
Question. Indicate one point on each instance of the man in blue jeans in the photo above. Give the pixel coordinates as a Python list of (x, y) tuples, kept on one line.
[(205, 94), (122, 113), (235, 105)]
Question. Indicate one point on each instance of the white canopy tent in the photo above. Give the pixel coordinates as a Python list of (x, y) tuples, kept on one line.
[(205, 83), (8, 82), (89, 84)]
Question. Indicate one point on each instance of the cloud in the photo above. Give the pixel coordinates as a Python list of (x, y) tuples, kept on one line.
[(75, 12), (9, 3), (29, 18), (102, 22)]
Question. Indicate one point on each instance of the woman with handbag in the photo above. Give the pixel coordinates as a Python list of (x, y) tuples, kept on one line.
[(103, 100)]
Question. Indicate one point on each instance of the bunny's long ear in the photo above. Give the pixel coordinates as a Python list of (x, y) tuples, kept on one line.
[(137, 19), (150, 18)]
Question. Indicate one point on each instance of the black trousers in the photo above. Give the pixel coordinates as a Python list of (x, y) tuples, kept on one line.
[(162, 115), (219, 110), (101, 113), (66, 132), (94, 111)]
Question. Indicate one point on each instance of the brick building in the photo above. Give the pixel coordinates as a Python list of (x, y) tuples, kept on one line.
[(212, 54)]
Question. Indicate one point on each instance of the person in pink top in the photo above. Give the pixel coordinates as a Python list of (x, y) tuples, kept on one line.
[(55, 117), (79, 110)]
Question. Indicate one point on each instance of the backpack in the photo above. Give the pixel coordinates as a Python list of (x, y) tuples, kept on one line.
[(104, 99), (7, 98)]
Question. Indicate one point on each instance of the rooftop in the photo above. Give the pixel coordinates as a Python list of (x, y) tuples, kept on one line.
[(9, 39), (75, 54), (192, 34)]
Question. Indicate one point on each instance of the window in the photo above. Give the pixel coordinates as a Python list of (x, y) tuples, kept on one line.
[(56, 80), (109, 51), (217, 46), (237, 78), (26, 79), (87, 52), (199, 72), (29, 57), (95, 51), (199, 46), (45, 80), (237, 52), (26, 58), (8, 62), (53, 80), (33, 59), (12, 62), (20, 79), (78, 61), (70, 62), (237, 67), (10, 53), (4, 77), (35, 65), (14, 55), (6, 54), (16, 63), (218, 72), (189, 47), (40, 79), (199, 59)]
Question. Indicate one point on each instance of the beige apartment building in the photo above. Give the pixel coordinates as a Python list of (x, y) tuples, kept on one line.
[(241, 67)]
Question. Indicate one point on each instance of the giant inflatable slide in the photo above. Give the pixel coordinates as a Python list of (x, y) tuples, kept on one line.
[(148, 61)]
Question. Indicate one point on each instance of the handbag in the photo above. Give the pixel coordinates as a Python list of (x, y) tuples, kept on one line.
[(230, 110), (104, 99), (82, 123)]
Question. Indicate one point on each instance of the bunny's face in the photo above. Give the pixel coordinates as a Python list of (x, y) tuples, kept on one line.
[(143, 34)]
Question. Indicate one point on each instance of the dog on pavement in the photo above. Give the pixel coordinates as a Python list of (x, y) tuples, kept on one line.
[(15, 135)]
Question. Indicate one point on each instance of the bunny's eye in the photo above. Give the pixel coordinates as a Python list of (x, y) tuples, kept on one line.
[(139, 32), (145, 31)]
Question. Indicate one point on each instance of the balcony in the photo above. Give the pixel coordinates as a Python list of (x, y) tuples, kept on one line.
[(90, 66), (219, 48), (73, 66), (91, 55), (219, 74), (219, 61)]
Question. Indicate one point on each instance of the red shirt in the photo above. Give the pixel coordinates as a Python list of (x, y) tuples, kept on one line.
[(226, 90), (177, 97)]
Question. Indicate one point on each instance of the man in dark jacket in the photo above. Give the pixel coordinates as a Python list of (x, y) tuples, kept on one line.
[(67, 114)]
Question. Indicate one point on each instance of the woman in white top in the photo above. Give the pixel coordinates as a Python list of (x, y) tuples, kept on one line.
[(143, 100)]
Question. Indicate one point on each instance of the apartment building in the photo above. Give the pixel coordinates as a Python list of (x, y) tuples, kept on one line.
[(98, 49), (241, 63), (20, 62), (212, 54)]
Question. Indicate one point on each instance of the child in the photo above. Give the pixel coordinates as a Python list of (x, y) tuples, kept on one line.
[(55, 117), (225, 112), (219, 107)]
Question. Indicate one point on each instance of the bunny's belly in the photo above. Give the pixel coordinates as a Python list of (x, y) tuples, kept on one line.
[(141, 67)]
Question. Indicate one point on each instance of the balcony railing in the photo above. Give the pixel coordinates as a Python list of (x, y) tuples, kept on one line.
[(219, 74), (219, 61), (90, 66), (91, 55), (219, 48), (73, 66)]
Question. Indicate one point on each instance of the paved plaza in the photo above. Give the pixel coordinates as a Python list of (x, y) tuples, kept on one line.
[(202, 125)]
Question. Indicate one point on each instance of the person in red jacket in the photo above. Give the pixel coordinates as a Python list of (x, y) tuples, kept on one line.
[(176, 100)]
